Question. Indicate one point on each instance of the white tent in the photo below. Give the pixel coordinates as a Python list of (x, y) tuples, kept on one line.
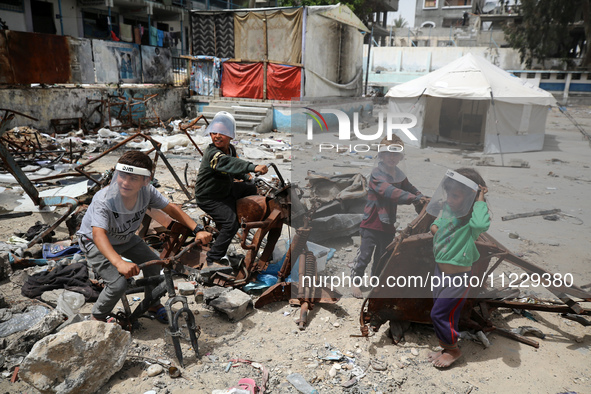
[(471, 100)]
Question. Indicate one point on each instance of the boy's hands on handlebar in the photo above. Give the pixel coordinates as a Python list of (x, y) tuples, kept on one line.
[(127, 269), (261, 169), (204, 237)]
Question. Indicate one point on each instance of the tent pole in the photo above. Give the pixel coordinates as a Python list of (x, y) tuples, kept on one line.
[(492, 100), (368, 57)]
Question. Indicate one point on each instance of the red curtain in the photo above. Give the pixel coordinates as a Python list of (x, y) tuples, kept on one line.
[(283, 82), (242, 80), (246, 80)]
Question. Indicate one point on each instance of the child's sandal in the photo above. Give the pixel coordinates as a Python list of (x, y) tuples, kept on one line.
[(160, 315)]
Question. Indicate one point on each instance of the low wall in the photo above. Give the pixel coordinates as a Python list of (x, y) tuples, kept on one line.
[(62, 102), (294, 118)]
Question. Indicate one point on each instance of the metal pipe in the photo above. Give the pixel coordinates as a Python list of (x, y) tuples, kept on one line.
[(69, 202), (110, 25), (59, 4)]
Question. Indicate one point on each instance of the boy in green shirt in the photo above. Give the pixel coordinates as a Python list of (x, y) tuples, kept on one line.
[(216, 190)]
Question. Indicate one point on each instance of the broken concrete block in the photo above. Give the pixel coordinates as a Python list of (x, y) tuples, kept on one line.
[(235, 304), (185, 288), (211, 293), (206, 272), (79, 359)]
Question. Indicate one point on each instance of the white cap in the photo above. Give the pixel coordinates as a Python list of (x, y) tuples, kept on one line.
[(222, 123)]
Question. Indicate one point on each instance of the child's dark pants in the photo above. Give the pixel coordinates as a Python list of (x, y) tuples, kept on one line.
[(223, 212), (373, 242), (448, 302)]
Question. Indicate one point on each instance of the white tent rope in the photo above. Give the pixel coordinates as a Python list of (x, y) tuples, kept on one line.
[(416, 102), (497, 127)]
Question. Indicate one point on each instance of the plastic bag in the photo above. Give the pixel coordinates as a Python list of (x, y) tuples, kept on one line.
[(69, 303)]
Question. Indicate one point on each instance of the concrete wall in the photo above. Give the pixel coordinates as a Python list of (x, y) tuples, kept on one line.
[(467, 36), (54, 103), (14, 20), (390, 66), (427, 59)]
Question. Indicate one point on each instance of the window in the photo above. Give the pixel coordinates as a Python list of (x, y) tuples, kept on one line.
[(455, 22), (429, 3), (43, 19), (12, 5), (457, 3), (96, 23)]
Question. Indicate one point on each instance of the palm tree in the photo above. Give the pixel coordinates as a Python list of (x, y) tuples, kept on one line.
[(400, 22)]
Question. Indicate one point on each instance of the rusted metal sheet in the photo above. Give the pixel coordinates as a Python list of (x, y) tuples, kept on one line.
[(6, 74), (39, 58), (156, 65), (117, 62)]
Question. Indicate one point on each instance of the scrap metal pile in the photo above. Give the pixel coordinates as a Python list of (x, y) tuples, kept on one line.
[(262, 218)]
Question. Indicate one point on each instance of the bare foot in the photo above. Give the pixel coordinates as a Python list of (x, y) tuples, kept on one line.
[(434, 355), (447, 358), (356, 292)]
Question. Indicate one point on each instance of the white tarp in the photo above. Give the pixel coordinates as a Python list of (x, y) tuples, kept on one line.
[(515, 123)]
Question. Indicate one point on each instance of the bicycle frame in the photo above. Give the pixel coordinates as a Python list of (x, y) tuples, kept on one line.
[(163, 284)]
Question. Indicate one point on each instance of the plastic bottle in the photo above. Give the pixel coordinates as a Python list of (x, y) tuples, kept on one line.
[(300, 384)]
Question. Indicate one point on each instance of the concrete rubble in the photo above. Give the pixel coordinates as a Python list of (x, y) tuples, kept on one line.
[(235, 304), (79, 359)]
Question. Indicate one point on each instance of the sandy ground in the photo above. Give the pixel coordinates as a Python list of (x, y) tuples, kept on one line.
[(557, 177)]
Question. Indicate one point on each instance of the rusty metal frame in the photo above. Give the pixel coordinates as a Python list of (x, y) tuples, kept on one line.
[(28, 186), (156, 147), (192, 125)]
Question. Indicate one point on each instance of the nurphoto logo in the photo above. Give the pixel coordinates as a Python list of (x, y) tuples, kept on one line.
[(345, 124)]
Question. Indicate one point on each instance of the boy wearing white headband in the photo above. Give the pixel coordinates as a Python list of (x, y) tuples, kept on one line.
[(107, 232)]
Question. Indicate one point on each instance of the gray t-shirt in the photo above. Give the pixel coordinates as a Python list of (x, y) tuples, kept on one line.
[(120, 227)]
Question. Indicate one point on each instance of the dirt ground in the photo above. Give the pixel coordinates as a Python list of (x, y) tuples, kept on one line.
[(557, 177)]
